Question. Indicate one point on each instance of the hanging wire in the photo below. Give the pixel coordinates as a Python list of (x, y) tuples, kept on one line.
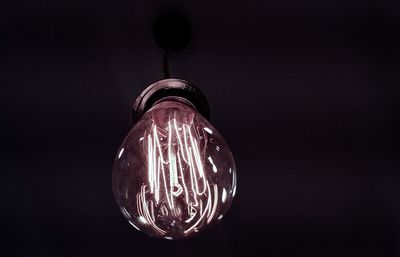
[(165, 65)]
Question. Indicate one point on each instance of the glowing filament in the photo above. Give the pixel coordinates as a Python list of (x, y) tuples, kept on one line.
[(177, 184)]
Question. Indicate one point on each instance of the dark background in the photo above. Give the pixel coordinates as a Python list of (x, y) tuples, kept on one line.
[(305, 92)]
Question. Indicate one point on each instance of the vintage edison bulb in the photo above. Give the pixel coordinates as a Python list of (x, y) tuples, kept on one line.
[(174, 175)]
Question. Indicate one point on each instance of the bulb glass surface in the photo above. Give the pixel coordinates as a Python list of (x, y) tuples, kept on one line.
[(174, 176)]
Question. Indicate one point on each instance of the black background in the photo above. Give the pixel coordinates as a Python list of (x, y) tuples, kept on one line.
[(305, 92)]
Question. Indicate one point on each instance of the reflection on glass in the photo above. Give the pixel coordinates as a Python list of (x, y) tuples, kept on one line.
[(174, 175)]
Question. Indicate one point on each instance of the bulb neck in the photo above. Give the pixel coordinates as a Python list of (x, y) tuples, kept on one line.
[(170, 89)]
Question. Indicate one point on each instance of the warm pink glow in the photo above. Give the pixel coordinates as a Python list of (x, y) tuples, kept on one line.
[(174, 174)]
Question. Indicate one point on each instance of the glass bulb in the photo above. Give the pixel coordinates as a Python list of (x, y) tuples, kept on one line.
[(174, 176)]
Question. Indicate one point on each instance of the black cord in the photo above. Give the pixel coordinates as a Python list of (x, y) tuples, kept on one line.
[(165, 65)]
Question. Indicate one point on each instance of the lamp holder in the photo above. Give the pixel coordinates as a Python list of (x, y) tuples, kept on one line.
[(170, 88)]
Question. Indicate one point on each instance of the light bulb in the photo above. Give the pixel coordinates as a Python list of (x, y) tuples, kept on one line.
[(174, 175)]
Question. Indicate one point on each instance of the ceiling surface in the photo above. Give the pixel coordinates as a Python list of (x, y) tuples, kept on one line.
[(306, 93)]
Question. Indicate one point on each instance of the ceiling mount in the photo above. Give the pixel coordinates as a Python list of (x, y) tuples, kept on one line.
[(172, 31)]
